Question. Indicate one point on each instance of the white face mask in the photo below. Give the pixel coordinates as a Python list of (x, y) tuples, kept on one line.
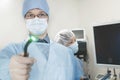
[(37, 26), (74, 47)]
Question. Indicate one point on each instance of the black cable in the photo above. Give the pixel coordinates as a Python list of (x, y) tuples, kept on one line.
[(26, 54)]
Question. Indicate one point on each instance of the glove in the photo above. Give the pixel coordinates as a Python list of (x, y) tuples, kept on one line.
[(20, 67)]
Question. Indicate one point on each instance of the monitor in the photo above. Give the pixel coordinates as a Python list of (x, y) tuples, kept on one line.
[(107, 43), (79, 33)]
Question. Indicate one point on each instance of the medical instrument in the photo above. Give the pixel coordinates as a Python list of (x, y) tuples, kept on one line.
[(114, 75), (107, 76), (31, 39)]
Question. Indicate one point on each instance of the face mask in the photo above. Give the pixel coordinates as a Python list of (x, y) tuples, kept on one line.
[(74, 47), (37, 26)]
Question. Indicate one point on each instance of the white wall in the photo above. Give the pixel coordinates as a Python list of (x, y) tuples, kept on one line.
[(12, 27), (64, 14)]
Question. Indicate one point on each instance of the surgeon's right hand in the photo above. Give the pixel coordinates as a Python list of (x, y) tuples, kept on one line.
[(20, 67)]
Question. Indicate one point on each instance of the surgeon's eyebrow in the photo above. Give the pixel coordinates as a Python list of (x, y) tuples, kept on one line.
[(42, 12)]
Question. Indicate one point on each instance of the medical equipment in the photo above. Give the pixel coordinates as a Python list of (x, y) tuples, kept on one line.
[(82, 51), (106, 38), (107, 76), (114, 75), (99, 76), (31, 39), (104, 77), (80, 34)]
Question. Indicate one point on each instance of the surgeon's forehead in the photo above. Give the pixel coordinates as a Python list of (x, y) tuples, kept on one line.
[(36, 10)]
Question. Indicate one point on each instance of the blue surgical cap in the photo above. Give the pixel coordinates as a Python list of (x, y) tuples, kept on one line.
[(31, 4)]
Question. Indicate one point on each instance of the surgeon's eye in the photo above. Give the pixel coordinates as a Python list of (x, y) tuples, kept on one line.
[(30, 16), (42, 15)]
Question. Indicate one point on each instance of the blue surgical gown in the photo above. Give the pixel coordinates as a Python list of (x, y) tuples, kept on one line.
[(54, 61)]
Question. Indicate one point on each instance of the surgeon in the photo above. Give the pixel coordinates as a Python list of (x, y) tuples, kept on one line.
[(47, 60), (67, 38)]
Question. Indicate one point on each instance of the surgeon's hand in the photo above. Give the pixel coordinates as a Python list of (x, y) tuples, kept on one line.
[(20, 67)]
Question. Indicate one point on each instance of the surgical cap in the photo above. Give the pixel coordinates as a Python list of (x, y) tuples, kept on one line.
[(31, 4), (64, 36)]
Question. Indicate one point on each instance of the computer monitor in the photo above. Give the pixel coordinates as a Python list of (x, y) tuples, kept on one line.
[(79, 33), (107, 43)]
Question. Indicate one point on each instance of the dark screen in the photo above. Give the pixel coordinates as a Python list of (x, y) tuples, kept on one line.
[(107, 43)]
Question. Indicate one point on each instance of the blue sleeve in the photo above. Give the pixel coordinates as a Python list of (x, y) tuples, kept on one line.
[(5, 56), (78, 70)]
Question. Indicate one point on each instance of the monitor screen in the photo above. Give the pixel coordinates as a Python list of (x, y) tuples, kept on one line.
[(107, 43), (79, 34)]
